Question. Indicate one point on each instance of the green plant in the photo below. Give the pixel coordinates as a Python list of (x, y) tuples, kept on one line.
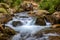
[(49, 5), (16, 4)]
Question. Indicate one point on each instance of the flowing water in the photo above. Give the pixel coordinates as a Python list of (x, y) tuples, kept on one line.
[(28, 28)]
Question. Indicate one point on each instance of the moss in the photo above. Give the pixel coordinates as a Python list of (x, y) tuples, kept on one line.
[(2, 10)]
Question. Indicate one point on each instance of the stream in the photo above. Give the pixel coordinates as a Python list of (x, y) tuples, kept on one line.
[(28, 28)]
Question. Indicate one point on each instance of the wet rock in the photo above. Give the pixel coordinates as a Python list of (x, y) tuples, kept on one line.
[(38, 13), (38, 34), (52, 30), (56, 26), (9, 31), (4, 18), (56, 15), (54, 18), (16, 23), (40, 21), (50, 18), (54, 37), (6, 32)]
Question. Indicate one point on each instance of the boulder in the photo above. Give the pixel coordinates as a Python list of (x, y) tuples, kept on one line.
[(6, 32), (40, 21), (4, 18), (38, 13), (50, 18), (27, 6), (56, 15), (41, 12), (16, 23), (53, 18)]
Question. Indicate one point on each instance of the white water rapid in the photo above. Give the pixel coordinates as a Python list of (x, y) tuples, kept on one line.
[(28, 28)]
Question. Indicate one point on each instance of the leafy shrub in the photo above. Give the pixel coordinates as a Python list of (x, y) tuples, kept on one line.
[(49, 5), (16, 2)]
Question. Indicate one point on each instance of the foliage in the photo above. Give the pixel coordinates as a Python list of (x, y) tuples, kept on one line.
[(49, 5), (16, 4)]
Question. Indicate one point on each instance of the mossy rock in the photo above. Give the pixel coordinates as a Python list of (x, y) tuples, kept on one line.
[(9, 31), (6, 6), (2, 10), (4, 36)]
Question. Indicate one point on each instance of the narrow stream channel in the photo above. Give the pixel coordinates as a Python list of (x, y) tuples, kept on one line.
[(27, 29)]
